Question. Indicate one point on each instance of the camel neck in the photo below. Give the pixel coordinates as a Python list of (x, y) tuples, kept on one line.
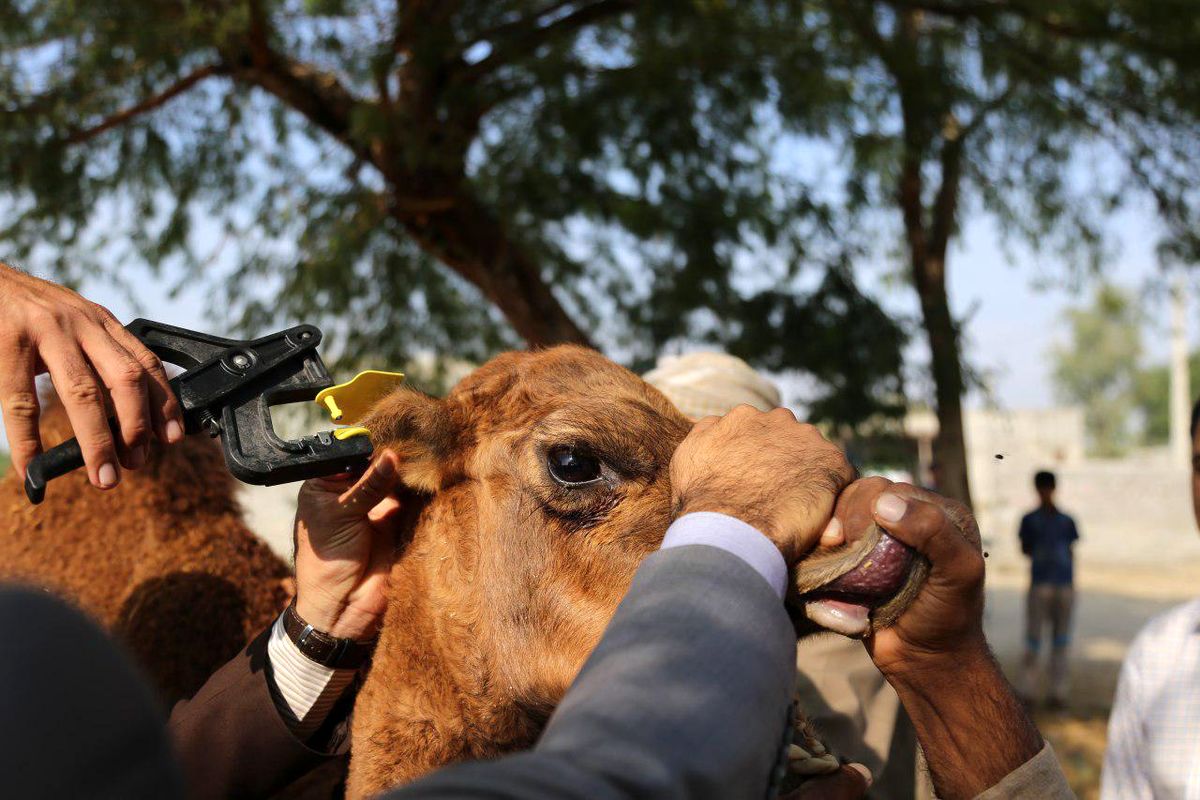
[(420, 708)]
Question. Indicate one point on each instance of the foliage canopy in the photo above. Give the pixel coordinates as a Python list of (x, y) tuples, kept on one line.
[(458, 175), (448, 176), (1097, 368)]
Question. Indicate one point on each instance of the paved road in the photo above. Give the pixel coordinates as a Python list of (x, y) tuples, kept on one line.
[(1105, 624)]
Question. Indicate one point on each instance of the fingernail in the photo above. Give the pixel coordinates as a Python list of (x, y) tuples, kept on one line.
[(861, 770), (107, 474), (832, 535), (890, 508), (385, 466), (137, 457), (174, 432)]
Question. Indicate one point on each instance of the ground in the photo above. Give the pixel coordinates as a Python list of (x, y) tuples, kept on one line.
[(1113, 602)]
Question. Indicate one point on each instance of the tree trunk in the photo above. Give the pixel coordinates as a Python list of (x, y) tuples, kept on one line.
[(466, 237), (949, 448)]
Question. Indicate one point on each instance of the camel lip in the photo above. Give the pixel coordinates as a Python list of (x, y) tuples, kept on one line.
[(839, 615), (867, 601), (876, 579)]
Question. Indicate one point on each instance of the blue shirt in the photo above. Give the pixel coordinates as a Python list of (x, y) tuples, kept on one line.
[(1046, 537)]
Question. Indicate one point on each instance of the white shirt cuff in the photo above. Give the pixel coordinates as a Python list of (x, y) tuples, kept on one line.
[(308, 690), (733, 536)]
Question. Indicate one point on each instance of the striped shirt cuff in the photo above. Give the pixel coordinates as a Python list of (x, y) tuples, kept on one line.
[(733, 536), (307, 690)]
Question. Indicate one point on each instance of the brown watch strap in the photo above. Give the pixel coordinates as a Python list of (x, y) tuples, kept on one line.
[(320, 647)]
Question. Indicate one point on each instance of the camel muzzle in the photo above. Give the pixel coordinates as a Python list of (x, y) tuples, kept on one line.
[(845, 604)]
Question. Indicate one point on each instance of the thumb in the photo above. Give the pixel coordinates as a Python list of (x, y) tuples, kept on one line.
[(848, 783), (375, 485)]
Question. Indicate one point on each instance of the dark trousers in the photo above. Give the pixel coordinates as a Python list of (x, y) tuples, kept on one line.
[(1048, 605)]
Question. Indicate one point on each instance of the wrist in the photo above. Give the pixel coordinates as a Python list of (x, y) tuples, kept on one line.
[(760, 522), (322, 616), (969, 722), (322, 647), (340, 620), (734, 536), (915, 666)]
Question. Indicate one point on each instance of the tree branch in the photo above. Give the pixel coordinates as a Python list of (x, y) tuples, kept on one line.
[(986, 108), (149, 104), (864, 24), (316, 94), (1094, 28), (945, 203), (530, 34), (319, 96), (524, 23), (911, 187)]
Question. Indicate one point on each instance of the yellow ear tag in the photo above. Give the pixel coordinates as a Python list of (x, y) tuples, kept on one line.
[(351, 402)]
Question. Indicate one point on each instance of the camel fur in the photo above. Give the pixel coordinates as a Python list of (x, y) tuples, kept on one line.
[(163, 561)]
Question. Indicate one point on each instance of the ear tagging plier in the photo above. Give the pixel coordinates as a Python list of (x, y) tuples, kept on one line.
[(227, 390)]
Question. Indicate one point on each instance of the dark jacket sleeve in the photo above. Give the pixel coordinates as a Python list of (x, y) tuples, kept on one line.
[(230, 736), (687, 695)]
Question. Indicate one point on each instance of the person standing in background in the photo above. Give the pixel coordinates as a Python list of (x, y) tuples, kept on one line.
[(1047, 536), (855, 711)]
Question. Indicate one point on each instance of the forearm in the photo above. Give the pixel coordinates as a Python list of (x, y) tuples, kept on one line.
[(232, 738), (969, 722), (305, 692)]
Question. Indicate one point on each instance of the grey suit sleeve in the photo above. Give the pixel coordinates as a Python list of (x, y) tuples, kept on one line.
[(687, 695)]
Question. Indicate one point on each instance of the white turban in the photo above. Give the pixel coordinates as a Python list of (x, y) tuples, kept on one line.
[(704, 384)]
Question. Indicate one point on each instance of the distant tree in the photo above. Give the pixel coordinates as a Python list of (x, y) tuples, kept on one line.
[(1097, 368), (451, 176), (947, 107), (1152, 394)]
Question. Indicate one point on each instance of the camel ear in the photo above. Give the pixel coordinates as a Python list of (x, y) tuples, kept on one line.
[(419, 429)]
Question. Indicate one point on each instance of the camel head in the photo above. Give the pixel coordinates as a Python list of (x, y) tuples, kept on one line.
[(539, 484)]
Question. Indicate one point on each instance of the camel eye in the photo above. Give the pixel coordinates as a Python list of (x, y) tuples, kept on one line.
[(572, 466)]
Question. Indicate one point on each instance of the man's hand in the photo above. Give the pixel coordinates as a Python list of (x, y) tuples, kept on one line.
[(970, 724), (850, 782), (95, 365), (344, 550), (945, 620), (764, 468)]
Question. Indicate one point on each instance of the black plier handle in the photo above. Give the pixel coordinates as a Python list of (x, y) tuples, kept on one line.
[(227, 390)]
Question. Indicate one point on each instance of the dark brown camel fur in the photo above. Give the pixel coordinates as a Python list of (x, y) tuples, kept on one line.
[(163, 561)]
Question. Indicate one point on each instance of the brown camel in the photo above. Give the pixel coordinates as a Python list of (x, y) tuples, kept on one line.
[(534, 490), (544, 481), (163, 561)]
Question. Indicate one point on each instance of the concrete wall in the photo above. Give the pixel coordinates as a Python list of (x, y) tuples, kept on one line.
[(1135, 510)]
